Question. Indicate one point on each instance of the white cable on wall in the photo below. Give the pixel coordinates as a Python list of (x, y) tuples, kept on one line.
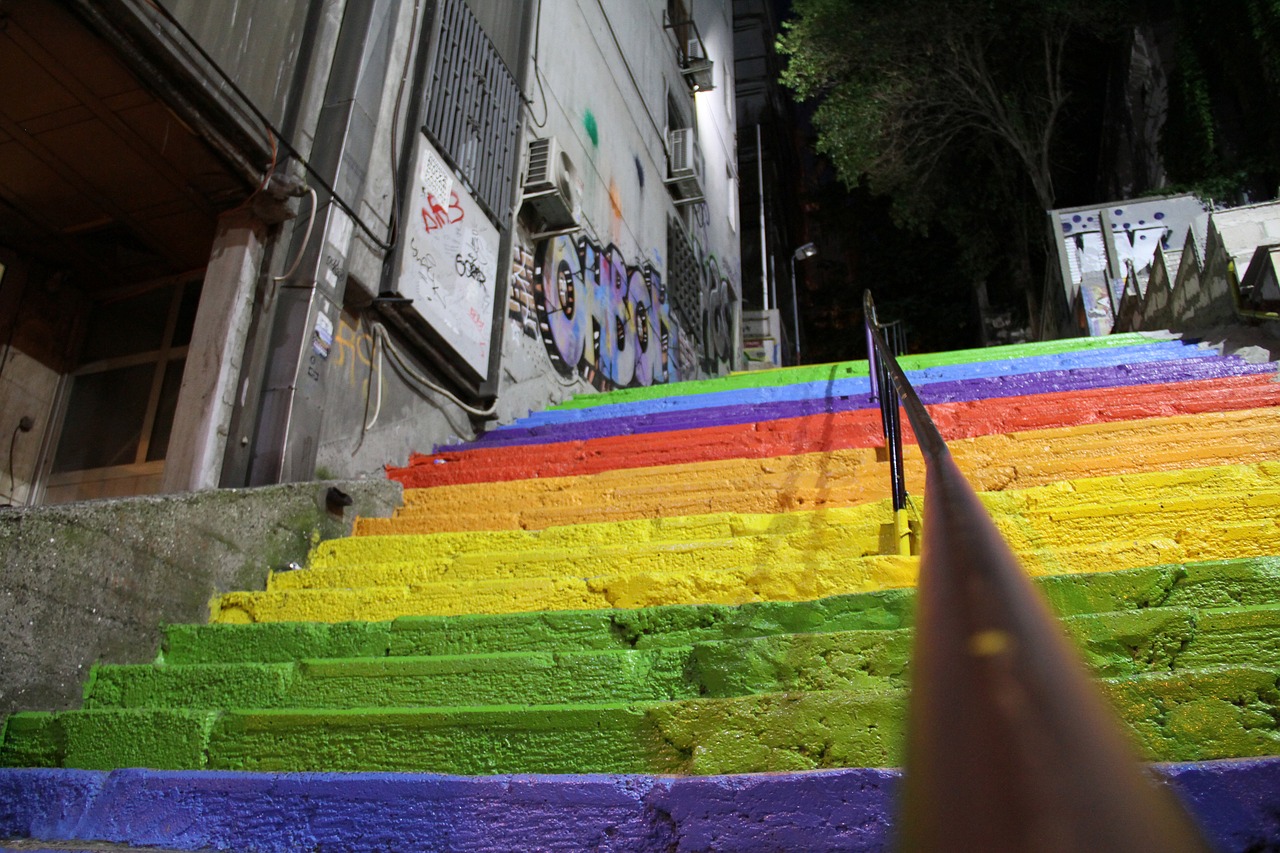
[(375, 370), (306, 238), (402, 362)]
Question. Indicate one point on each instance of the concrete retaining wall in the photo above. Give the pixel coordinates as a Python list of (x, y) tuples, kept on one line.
[(94, 581)]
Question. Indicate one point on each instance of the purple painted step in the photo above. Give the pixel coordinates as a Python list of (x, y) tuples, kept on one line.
[(846, 810), (1148, 373)]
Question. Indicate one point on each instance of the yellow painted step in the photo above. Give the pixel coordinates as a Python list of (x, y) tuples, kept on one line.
[(817, 577), (354, 550), (730, 541), (1189, 507), (791, 582), (1124, 522)]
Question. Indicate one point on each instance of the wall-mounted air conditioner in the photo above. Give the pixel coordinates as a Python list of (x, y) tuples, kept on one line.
[(550, 186), (697, 67), (685, 160)]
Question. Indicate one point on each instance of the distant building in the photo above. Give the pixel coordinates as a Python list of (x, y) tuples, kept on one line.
[(1167, 263), (770, 179), (1098, 246), (282, 239)]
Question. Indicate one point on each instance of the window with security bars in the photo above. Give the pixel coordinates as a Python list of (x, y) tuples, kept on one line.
[(473, 109), (684, 284)]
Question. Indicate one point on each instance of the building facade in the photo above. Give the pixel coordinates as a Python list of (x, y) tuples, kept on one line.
[(258, 241)]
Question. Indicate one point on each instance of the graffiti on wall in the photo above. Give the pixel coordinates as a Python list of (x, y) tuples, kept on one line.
[(353, 346), (717, 316), (717, 296), (617, 325), (449, 260), (602, 318)]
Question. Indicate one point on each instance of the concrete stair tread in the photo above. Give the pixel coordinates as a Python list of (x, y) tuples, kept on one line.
[(1211, 713), (919, 371), (1116, 643), (789, 375), (784, 484), (725, 586), (1251, 581), (1067, 383), (862, 539), (834, 430), (734, 576), (987, 380), (1029, 519)]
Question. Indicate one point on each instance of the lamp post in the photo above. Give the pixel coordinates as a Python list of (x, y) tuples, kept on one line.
[(808, 250)]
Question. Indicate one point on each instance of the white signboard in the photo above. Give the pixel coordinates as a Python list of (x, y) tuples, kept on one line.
[(449, 260)]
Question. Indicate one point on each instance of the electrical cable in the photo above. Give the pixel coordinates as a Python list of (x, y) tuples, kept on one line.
[(311, 220), (411, 372), (375, 366), (13, 481), (542, 94), (537, 74), (365, 423), (627, 65), (226, 78), (393, 224), (266, 174)]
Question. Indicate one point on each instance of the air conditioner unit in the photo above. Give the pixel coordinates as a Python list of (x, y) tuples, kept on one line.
[(697, 68), (685, 159), (550, 186)]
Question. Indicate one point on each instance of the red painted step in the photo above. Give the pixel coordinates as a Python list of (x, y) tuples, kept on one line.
[(838, 431)]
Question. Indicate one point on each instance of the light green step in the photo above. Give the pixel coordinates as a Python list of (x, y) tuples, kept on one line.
[(1193, 715), (1113, 644)]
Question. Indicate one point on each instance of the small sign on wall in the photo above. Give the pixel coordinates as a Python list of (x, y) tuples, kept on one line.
[(449, 260)]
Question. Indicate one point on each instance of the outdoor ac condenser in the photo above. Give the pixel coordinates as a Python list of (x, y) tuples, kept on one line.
[(685, 161), (550, 188)]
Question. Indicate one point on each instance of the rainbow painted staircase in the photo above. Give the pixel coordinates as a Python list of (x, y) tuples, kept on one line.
[(692, 602)]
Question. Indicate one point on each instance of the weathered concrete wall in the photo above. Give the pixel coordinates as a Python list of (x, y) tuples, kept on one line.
[(257, 43), (93, 581)]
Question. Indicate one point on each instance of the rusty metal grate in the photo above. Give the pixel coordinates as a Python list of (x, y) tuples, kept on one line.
[(473, 110)]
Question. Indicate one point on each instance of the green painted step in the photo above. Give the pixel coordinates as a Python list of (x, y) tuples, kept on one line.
[(1161, 639), (841, 370), (1252, 581), (505, 678), (1226, 712)]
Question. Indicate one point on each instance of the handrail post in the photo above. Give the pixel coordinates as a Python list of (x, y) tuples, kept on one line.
[(883, 390), (1010, 745)]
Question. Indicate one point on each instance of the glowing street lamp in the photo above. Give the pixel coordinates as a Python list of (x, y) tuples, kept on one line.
[(808, 250)]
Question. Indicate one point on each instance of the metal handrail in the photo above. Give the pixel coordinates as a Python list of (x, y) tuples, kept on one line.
[(884, 391), (1010, 744)]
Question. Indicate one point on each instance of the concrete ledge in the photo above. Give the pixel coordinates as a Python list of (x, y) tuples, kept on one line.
[(837, 810), (93, 581)]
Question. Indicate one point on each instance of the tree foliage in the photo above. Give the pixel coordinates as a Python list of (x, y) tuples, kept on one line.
[(975, 116), (1222, 135), (950, 108), (902, 84)]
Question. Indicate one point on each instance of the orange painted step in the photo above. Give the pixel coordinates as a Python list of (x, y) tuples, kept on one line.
[(847, 430)]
